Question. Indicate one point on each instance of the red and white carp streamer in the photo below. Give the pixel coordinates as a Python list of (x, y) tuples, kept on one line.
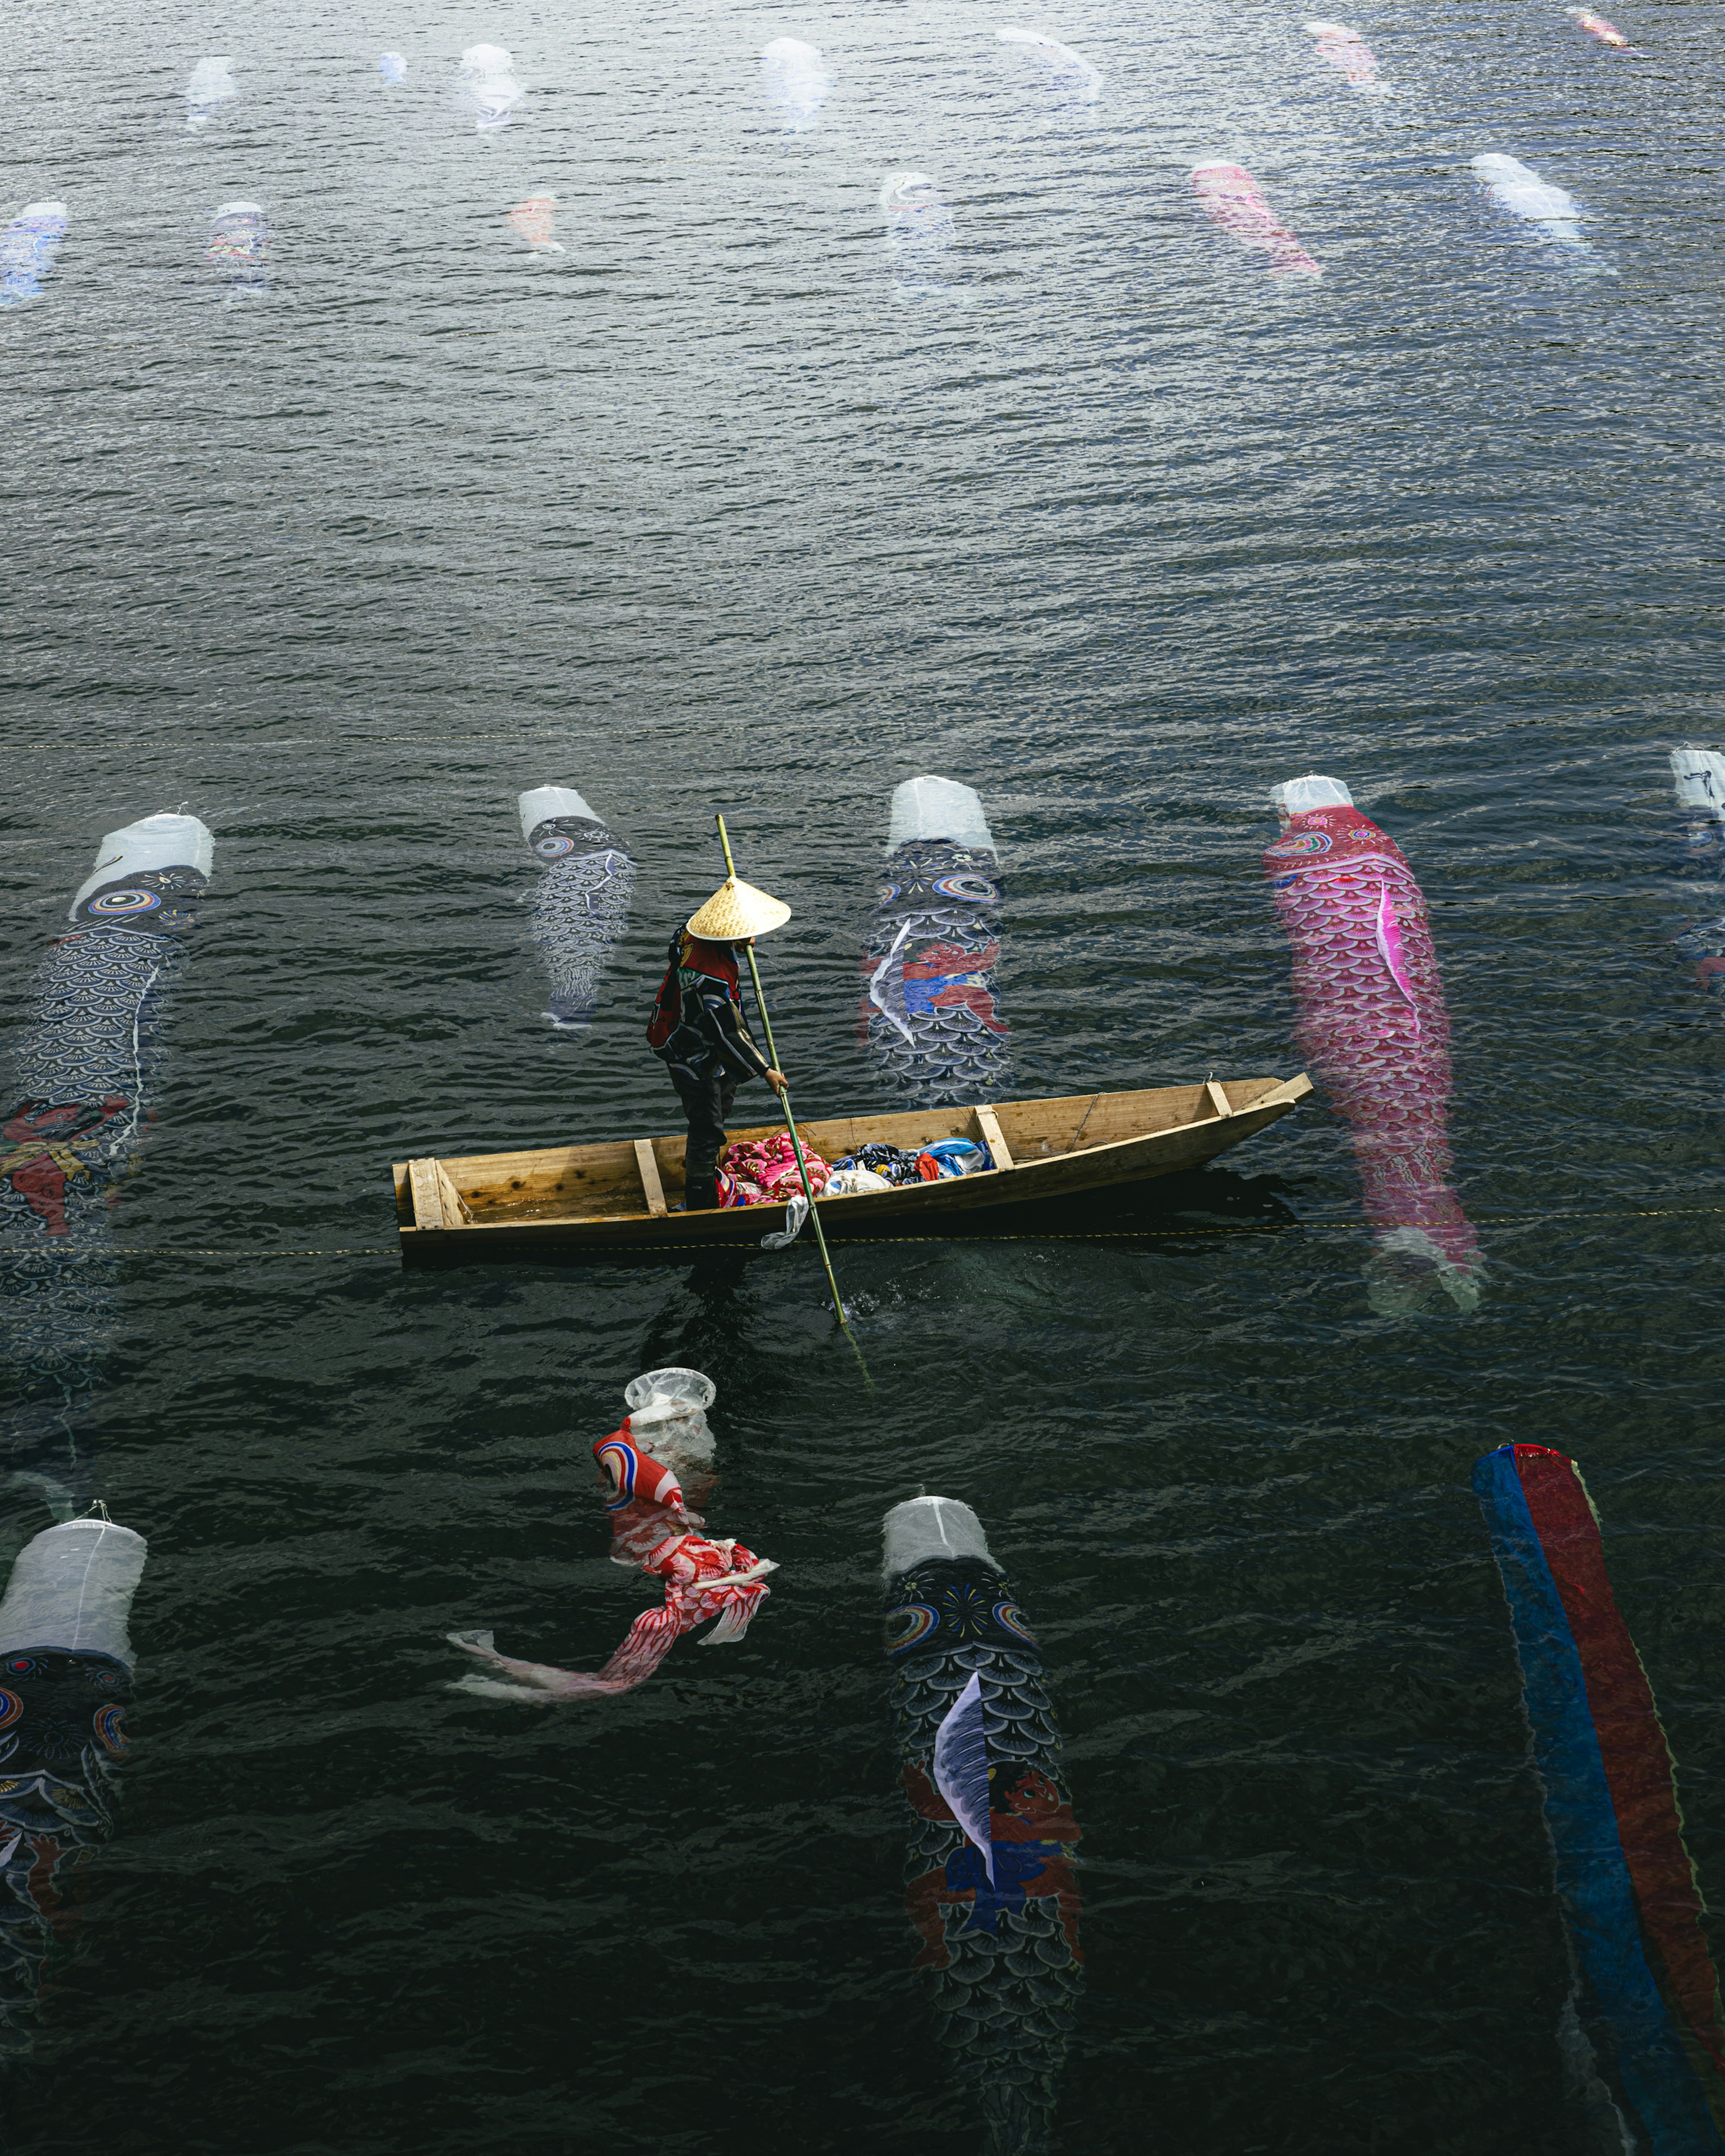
[(1230, 197), (1347, 50), (534, 221), (1596, 26), (1373, 1026), (653, 1529)]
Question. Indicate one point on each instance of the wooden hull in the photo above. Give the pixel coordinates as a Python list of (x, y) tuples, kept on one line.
[(610, 1199)]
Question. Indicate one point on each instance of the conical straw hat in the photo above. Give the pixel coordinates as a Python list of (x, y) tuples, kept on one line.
[(737, 910)]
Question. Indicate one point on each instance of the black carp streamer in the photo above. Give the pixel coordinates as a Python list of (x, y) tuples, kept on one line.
[(928, 1005), (81, 1072), (989, 1874), (65, 1682), (581, 903)]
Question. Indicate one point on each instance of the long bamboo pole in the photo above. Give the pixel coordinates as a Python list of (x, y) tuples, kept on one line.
[(785, 1099)]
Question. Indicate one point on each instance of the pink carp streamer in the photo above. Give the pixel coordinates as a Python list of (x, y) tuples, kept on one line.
[(1346, 50), (532, 220), (1230, 197), (1373, 1027), (1596, 26)]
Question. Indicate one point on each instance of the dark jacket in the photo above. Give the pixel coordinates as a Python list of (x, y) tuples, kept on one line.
[(697, 1021)]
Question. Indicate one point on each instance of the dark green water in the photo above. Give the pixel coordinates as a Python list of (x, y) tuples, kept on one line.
[(702, 512)]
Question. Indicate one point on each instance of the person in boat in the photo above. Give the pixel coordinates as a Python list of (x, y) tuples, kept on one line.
[(698, 1029)]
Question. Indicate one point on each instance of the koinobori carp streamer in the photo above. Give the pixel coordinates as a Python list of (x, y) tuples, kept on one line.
[(534, 220), (1348, 52), (65, 1683), (1597, 27), (1699, 776), (28, 247), (581, 906), (652, 1528), (486, 88), (1646, 1998), (240, 248), (82, 1067), (1070, 72), (1230, 198), (210, 88), (795, 77), (928, 1004), (1372, 1023), (989, 1880)]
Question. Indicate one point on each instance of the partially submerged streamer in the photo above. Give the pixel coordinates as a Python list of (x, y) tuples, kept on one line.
[(795, 77), (1644, 1998), (1070, 72), (654, 1466), (534, 220), (919, 230), (28, 247), (1345, 49), (82, 1067), (989, 1880), (210, 88), (1596, 26), (1372, 1024), (1230, 198), (487, 87), (65, 1682), (1518, 188), (928, 1006), (581, 905), (1698, 775), (239, 248)]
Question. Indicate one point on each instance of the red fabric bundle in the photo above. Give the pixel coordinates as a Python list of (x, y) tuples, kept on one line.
[(763, 1172)]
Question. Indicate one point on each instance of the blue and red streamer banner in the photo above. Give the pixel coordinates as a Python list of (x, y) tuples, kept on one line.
[(1624, 1875)]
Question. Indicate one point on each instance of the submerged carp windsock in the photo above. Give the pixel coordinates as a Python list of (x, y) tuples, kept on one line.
[(581, 906), (28, 247), (534, 220), (210, 88), (1230, 198), (240, 248), (65, 1680), (919, 230), (1069, 72), (82, 1065), (1699, 776), (1596, 26), (1346, 50), (1646, 1997), (928, 1004), (486, 89), (1518, 188), (794, 76), (989, 1874), (652, 1531), (1373, 1026)]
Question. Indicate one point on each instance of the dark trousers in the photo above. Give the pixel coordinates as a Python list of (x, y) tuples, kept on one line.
[(707, 1096)]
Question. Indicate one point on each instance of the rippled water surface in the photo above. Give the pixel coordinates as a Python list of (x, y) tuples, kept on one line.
[(707, 512)]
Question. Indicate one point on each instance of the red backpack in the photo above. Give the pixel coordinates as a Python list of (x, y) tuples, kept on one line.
[(688, 954)]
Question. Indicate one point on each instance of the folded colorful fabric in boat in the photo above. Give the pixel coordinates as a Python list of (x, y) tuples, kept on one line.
[(891, 1160), (768, 1166), (960, 1156)]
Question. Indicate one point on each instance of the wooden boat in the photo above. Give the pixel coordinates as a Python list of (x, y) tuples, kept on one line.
[(591, 1200)]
